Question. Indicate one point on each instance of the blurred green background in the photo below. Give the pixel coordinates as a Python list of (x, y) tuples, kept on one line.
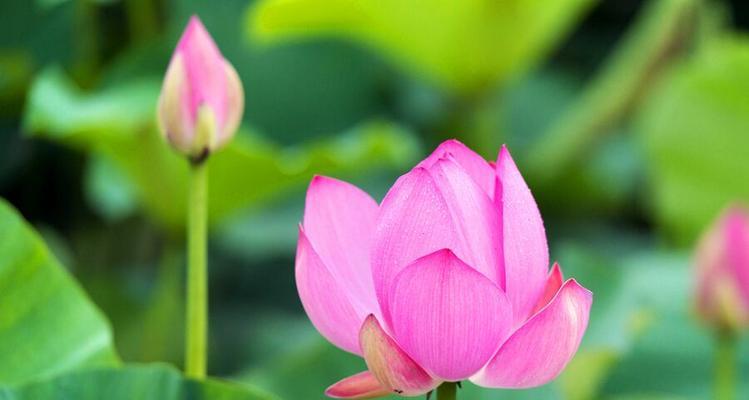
[(629, 120)]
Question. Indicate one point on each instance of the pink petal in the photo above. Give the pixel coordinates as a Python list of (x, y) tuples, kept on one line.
[(175, 117), (553, 283), (234, 104), (447, 316), (722, 261), (717, 289), (394, 369), (360, 386), (526, 254), (432, 209), (538, 351), (324, 299), (475, 165), (339, 220), (204, 65), (737, 248)]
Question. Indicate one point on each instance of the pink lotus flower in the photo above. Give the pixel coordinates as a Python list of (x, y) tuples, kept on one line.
[(723, 271), (447, 279), (202, 99)]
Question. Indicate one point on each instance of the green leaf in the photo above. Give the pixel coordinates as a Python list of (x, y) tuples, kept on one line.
[(55, 344), (153, 382), (694, 131), (118, 124), (463, 45), (60, 109), (47, 324), (109, 190)]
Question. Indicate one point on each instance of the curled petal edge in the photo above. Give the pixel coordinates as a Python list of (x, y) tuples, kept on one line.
[(540, 349), (363, 385)]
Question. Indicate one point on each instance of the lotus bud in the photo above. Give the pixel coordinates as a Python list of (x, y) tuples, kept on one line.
[(202, 100), (723, 272)]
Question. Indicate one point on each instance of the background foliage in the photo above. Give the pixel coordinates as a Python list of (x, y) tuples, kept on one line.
[(630, 120)]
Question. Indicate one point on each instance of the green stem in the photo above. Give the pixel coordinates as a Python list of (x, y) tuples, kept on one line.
[(662, 33), (197, 275), (447, 391), (725, 366)]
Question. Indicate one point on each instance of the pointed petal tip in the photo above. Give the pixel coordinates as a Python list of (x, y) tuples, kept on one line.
[(441, 253), (316, 181), (574, 283), (203, 58), (574, 286), (474, 164), (504, 152), (369, 319), (320, 183), (526, 256), (194, 27), (540, 350), (556, 273), (505, 159), (449, 145), (195, 21), (554, 283), (556, 268), (360, 386), (316, 178), (453, 141)]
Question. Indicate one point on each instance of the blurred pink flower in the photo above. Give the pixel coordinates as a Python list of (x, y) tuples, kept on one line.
[(448, 279), (723, 271), (202, 99)]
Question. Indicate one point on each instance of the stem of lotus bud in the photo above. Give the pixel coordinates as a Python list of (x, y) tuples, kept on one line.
[(197, 273), (447, 391), (725, 365)]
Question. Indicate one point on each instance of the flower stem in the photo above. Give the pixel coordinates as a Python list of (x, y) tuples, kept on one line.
[(725, 366), (447, 391), (197, 276)]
